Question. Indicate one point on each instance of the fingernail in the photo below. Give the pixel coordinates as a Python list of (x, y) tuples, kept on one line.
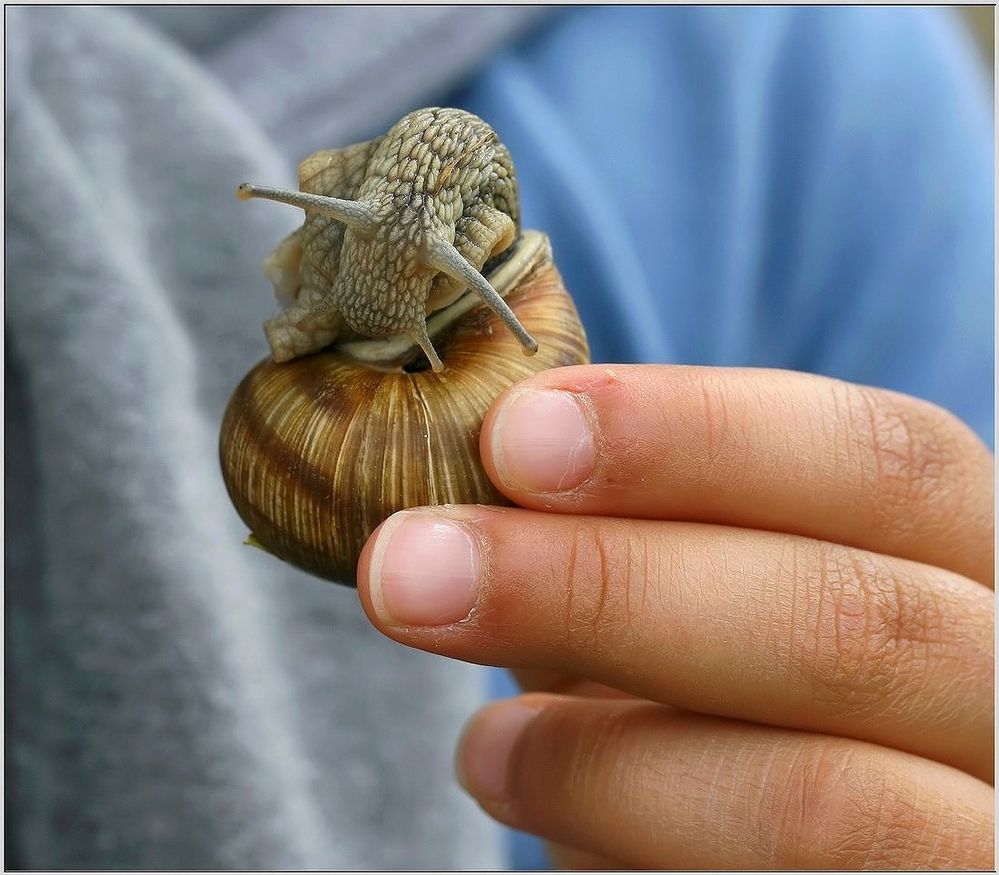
[(424, 571), (542, 441), (483, 758)]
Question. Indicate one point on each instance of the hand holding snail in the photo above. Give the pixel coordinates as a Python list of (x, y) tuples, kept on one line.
[(805, 659), (764, 594), (345, 424)]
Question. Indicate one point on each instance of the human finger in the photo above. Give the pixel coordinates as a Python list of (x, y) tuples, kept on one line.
[(657, 788), (768, 449), (744, 623)]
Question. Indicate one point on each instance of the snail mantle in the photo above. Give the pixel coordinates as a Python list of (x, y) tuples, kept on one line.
[(412, 300)]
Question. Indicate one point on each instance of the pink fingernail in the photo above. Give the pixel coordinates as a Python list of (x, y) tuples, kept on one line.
[(542, 441), (424, 571)]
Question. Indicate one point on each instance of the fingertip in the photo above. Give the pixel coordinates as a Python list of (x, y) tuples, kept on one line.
[(540, 440), (419, 569), (487, 743)]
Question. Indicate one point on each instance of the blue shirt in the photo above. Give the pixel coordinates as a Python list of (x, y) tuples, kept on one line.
[(806, 188)]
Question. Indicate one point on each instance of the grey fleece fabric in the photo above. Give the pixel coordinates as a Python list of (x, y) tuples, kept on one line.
[(176, 699)]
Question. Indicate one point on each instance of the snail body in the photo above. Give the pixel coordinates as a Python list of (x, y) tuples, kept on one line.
[(355, 416), (396, 228)]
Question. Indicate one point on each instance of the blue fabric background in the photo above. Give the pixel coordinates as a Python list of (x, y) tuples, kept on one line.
[(806, 188)]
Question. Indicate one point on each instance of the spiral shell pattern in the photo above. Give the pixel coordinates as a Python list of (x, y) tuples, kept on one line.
[(318, 451)]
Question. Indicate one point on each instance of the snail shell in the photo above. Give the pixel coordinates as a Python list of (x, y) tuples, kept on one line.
[(317, 450)]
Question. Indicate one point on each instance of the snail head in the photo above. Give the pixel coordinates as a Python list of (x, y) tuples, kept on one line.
[(434, 199)]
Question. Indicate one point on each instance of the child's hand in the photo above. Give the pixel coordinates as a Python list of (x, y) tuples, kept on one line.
[(754, 608)]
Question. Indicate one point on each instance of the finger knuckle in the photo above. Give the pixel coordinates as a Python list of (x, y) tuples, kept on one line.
[(839, 807), (870, 636), (718, 444), (599, 579), (912, 454)]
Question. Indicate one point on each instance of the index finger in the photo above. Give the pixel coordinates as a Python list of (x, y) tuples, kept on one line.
[(776, 450)]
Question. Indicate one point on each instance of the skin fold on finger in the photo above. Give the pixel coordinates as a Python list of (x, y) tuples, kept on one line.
[(742, 623), (655, 788), (547, 681), (565, 857), (776, 450)]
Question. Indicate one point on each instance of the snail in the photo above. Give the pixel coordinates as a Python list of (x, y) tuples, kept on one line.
[(412, 299)]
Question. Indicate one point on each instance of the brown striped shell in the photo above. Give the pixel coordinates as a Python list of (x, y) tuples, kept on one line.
[(316, 452)]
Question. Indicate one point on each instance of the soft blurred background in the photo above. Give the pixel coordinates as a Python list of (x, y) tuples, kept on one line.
[(776, 186), (981, 21)]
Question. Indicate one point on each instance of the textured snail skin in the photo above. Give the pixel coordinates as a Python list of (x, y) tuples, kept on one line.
[(405, 214), (317, 452)]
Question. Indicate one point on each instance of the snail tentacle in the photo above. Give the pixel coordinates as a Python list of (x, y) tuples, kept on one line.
[(421, 337), (442, 256), (354, 214)]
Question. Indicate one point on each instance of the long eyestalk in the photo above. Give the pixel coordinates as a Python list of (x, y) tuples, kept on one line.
[(354, 214), (442, 256)]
